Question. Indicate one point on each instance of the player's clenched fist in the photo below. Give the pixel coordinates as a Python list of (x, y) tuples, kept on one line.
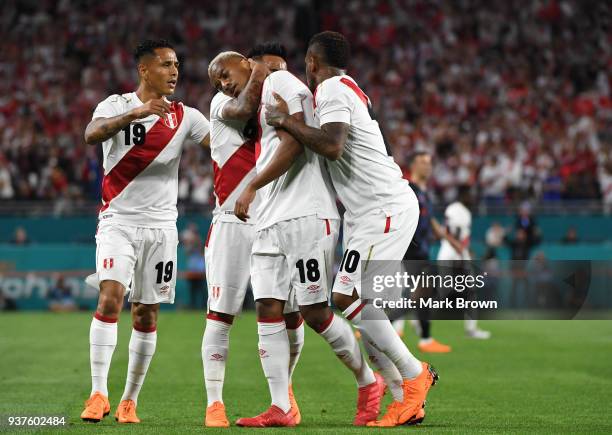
[(241, 208), (157, 106)]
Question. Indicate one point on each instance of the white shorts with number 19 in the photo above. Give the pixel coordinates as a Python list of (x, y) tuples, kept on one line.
[(143, 260)]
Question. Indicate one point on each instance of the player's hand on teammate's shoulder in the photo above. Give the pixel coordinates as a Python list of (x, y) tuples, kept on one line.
[(241, 208), (156, 106), (258, 67), (276, 113)]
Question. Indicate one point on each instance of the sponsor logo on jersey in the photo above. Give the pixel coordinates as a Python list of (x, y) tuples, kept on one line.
[(108, 263), (171, 120), (216, 357)]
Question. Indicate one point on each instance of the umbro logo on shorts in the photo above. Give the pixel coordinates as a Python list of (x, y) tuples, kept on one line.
[(108, 263), (263, 353), (164, 289), (314, 288), (345, 279), (216, 357)]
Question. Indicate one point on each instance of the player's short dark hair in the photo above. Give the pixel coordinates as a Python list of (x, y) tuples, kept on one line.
[(148, 46), (334, 47), (270, 48), (415, 155)]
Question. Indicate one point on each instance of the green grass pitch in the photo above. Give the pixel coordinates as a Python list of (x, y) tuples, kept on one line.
[(532, 376)]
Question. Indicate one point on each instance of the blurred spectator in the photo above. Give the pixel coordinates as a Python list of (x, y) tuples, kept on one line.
[(6, 183), (526, 222), (190, 236), (20, 237), (513, 96), (570, 237), (494, 236), (6, 303), (60, 297), (542, 291), (196, 277)]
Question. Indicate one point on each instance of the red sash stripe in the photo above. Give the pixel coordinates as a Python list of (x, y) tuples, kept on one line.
[(139, 157)]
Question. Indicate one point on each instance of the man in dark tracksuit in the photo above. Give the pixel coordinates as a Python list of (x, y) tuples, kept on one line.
[(420, 172)]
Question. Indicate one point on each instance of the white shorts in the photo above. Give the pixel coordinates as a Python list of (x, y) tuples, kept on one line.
[(294, 258), (228, 254), (143, 260), (448, 253), (373, 236)]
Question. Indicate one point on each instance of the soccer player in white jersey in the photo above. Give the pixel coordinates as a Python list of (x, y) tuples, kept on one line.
[(458, 218), (381, 211), (142, 135), (233, 132), (296, 232)]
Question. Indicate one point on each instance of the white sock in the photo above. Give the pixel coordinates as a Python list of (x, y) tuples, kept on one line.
[(387, 369), (398, 325), (274, 355), (375, 326), (102, 342), (296, 342), (215, 345), (470, 324), (340, 337), (142, 347)]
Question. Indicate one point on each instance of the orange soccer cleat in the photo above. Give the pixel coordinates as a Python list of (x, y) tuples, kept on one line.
[(295, 409), (433, 346), (126, 412), (368, 401), (273, 417), (215, 415), (96, 408), (410, 410)]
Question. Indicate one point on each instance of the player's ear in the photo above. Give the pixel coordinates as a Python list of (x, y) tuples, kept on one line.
[(142, 70)]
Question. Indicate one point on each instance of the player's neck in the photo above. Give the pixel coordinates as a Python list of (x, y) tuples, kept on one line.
[(329, 72), (145, 94)]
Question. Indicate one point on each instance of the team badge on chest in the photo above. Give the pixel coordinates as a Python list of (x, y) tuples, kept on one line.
[(170, 120)]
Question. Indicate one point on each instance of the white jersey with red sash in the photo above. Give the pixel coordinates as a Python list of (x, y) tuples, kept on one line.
[(141, 162), (233, 157), (365, 177)]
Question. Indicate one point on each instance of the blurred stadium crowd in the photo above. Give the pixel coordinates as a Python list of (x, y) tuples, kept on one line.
[(513, 98)]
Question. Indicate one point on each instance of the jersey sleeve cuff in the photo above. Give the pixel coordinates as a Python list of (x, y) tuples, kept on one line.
[(343, 116)]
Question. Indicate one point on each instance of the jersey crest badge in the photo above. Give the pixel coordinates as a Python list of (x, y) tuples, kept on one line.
[(170, 120)]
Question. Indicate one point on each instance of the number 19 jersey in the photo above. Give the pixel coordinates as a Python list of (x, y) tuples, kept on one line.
[(141, 162)]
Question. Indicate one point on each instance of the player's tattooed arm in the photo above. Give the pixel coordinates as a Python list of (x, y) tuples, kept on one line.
[(288, 150), (101, 129), (328, 141), (245, 106)]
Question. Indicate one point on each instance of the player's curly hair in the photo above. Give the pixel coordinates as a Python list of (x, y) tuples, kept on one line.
[(148, 46), (270, 48), (334, 47)]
